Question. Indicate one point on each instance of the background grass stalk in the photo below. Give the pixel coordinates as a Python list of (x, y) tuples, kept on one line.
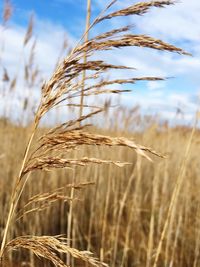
[(175, 193), (85, 55), (86, 35), (14, 198)]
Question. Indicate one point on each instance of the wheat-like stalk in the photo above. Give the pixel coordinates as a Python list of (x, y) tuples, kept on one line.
[(48, 247), (66, 84)]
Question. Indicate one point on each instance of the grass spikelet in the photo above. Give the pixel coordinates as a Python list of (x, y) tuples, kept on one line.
[(7, 11), (56, 162), (29, 31), (43, 201), (137, 9), (49, 248)]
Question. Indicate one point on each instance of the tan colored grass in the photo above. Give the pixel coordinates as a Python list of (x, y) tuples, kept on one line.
[(48, 247), (110, 186)]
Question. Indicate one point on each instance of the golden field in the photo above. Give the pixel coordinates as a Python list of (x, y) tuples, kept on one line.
[(121, 216)]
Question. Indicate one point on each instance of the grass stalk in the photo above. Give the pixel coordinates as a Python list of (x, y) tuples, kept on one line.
[(86, 36), (15, 192), (119, 218), (175, 193)]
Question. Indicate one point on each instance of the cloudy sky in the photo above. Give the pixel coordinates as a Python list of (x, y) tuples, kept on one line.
[(58, 19)]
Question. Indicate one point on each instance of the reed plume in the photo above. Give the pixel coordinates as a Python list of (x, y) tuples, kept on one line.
[(64, 86)]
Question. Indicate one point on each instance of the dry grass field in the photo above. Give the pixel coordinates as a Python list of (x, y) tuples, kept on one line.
[(120, 215), (76, 194)]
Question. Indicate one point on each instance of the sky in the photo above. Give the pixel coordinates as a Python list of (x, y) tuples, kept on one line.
[(55, 20)]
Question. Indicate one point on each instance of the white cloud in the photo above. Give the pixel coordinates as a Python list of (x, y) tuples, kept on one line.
[(179, 25), (155, 85), (50, 39), (177, 22)]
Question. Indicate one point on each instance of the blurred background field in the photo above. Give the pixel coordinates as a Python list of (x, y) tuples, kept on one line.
[(125, 209)]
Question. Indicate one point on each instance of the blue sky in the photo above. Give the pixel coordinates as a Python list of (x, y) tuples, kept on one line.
[(69, 14), (178, 24)]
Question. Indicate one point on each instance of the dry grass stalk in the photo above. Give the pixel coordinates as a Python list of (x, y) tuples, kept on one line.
[(119, 216), (129, 40), (175, 193), (13, 84), (136, 9), (44, 200), (5, 76), (64, 85), (85, 56), (29, 32), (48, 247), (7, 12), (57, 162), (72, 139)]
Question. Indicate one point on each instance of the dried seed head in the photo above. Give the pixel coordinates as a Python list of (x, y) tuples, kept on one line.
[(7, 11)]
